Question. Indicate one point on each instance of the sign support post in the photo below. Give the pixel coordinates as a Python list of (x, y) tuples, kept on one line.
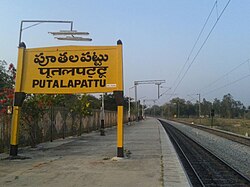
[(18, 101), (119, 102), (102, 131)]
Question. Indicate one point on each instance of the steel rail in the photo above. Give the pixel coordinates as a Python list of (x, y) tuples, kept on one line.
[(207, 150), (184, 155)]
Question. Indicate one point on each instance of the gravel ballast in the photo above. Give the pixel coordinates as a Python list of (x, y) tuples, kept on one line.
[(235, 154)]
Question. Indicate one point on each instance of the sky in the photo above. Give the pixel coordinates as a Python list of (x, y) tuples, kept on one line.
[(157, 37)]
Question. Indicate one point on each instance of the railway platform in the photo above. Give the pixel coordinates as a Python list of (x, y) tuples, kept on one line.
[(89, 160)]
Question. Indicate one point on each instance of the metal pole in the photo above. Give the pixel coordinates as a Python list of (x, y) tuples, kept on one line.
[(137, 111), (158, 90), (51, 123), (18, 101), (102, 131), (199, 107), (103, 106), (120, 135), (80, 129), (129, 113), (154, 108), (178, 105), (212, 115), (138, 106), (169, 111), (37, 22), (64, 124), (20, 33), (143, 109)]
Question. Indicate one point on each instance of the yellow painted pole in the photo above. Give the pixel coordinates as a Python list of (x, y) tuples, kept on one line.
[(14, 127), (119, 102), (120, 131), (18, 100)]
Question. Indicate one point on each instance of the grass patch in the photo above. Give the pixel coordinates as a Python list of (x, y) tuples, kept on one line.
[(238, 126)]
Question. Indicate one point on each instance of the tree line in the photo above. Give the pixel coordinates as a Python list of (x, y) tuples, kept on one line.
[(227, 107)]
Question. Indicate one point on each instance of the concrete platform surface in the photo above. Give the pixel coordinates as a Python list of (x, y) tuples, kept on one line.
[(89, 160)]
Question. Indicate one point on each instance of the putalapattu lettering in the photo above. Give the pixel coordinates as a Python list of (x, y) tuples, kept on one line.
[(68, 84)]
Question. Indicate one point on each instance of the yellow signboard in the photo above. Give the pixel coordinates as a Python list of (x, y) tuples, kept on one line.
[(68, 70), (72, 69)]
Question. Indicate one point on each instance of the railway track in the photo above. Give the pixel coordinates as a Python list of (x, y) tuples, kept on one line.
[(224, 134), (203, 167)]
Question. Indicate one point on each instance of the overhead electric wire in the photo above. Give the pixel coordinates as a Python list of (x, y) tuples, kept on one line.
[(226, 85), (192, 98), (198, 38), (226, 74), (198, 52)]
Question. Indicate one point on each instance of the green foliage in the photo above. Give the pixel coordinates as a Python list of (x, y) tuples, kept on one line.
[(226, 108), (110, 104), (35, 106), (81, 105), (7, 80), (94, 102), (7, 75), (33, 109), (231, 108)]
